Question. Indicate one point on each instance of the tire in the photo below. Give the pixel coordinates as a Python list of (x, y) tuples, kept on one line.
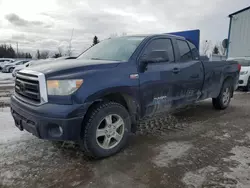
[(224, 98), (11, 69), (247, 87), (94, 146)]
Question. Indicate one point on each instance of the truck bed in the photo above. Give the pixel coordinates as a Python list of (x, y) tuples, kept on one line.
[(214, 75)]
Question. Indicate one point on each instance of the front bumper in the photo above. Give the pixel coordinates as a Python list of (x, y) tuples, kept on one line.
[(243, 80), (65, 125)]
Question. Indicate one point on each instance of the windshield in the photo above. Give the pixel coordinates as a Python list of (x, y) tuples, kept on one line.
[(243, 62), (116, 49)]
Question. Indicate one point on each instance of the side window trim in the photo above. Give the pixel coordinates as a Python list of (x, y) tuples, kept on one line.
[(148, 43), (190, 51)]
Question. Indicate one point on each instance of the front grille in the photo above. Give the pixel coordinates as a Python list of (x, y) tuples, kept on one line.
[(31, 87), (27, 86)]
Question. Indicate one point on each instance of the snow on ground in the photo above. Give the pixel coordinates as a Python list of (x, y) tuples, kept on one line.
[(241, 171), (196, 179), (171, 151), (5, 76), (9, 132), (6, 88)]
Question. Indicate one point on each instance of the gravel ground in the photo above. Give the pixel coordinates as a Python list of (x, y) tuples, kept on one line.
[(198, 147)]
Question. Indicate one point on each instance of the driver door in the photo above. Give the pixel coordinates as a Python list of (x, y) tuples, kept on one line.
[(157, 82)]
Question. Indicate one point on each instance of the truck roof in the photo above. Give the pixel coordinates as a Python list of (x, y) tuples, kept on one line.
[(155, 35)]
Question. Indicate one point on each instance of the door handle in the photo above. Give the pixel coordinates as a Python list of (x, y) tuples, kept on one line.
[(176, 70)]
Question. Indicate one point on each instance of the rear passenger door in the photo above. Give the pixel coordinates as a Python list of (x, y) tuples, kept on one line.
[(191, 73)]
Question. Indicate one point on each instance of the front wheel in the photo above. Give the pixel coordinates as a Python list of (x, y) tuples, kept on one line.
[(224, 98), (106, 130), (11, 70)]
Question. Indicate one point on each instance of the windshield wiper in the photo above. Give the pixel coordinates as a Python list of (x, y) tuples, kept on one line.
[(96, 59)]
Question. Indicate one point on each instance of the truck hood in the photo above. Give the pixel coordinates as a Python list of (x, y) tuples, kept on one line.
[(61, 67)]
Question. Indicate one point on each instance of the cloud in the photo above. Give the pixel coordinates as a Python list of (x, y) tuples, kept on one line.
[(51, 26), (18, 21)]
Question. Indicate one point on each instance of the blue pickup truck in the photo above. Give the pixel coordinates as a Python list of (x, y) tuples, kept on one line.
[(98, 98)]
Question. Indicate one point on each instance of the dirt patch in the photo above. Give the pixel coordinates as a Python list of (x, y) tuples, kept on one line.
[(223, 137), (160, 125), (25, 159), (4, 104), (240, 173), (198, 178), (170, 152), (118, 179), (248, 135)]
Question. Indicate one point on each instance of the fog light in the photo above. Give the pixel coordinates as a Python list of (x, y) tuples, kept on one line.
[(55, 130), (241, 82)]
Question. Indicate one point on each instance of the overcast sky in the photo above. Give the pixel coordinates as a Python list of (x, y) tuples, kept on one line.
[(48, 24)]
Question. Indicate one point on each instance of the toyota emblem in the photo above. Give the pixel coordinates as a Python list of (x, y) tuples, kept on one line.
[(22, 87)]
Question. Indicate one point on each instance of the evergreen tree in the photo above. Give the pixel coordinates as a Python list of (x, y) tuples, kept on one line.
[(216, 50), (95, 40), (38, 55)]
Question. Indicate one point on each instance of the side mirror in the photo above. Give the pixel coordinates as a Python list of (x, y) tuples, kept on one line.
[(156, 56)]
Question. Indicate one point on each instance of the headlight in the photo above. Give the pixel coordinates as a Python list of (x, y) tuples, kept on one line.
[(63, 87), (243, 72)]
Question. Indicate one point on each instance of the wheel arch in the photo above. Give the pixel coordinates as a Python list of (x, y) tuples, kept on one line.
[(229, 79), (125, 99)]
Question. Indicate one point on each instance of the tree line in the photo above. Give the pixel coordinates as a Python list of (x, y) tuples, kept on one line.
[(7, 51)]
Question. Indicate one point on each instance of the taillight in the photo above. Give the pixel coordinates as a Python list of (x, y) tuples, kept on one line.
[(239, 67)]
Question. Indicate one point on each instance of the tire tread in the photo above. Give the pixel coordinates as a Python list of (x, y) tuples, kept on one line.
[(217, 101), (86, 147)]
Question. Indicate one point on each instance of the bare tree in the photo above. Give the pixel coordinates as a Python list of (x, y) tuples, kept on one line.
[(58, 54), (124, 34), (69, 51), (44, 55), (222, 50), (113, 35), (60, 51), (206, 46), (38, 55)]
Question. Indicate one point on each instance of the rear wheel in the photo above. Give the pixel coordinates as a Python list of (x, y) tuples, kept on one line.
[(224, 98), (106, 130)]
